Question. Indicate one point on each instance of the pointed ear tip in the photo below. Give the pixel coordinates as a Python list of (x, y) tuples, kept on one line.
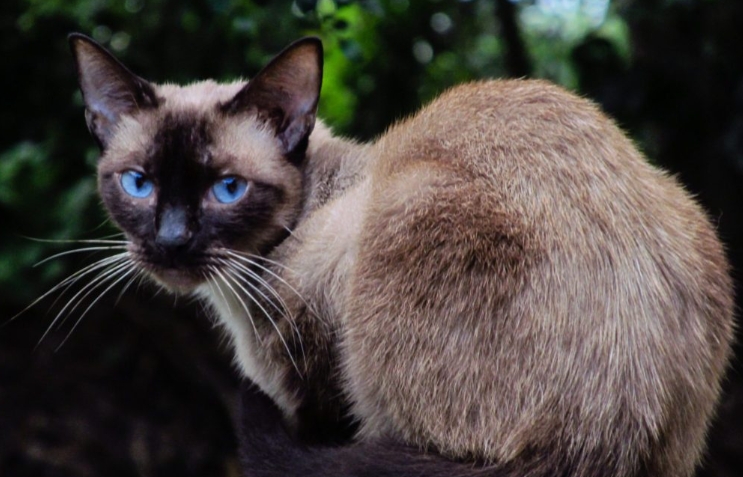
[(72, 40), (74, 37), (75, 40), (312, 42)]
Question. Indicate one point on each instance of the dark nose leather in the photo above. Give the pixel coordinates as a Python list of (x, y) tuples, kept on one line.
[(173, 230)]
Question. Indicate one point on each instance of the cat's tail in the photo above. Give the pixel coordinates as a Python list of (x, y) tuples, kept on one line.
[(267, 450)]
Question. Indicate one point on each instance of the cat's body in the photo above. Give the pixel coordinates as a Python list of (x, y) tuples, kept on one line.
[(501, 278)]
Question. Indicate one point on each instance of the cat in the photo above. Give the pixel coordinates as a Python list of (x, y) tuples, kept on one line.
[(499, 285)]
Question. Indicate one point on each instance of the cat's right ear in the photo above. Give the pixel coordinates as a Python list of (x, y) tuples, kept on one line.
[(109, 89)]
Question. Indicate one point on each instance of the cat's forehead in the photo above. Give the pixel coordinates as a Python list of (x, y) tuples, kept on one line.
[(182, 110), (193, 97), (188, 123)]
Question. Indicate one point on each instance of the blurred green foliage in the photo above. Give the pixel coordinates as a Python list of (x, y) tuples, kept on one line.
[(383, 58)]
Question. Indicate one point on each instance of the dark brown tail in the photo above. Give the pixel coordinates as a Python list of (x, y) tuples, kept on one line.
[(267, 450)]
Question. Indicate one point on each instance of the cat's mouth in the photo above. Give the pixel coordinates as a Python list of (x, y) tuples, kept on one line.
[(175, 274), (177, 280)]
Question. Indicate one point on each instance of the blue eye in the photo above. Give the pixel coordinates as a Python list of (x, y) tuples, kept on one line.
[(136, 184), (228, 189)]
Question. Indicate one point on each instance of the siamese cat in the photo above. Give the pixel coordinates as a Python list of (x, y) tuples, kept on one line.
[(499, 285)]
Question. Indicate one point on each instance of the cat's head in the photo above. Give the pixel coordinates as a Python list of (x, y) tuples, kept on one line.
[(193, 173)]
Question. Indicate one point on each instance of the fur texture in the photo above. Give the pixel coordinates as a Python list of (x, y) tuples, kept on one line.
[(500, 279)]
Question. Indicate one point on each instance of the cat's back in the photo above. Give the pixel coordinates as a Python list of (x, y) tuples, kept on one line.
[(507, 130), (516, 242), (547, 159)]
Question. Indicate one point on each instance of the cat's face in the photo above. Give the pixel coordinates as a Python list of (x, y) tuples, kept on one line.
[(194, 174)]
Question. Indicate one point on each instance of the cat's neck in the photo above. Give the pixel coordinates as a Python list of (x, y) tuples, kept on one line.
[(333, 164)]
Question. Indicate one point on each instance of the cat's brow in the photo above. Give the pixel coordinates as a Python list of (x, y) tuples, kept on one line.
[(205, 159)]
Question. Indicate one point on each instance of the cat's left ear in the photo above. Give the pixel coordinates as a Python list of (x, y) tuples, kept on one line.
[(285, 93)]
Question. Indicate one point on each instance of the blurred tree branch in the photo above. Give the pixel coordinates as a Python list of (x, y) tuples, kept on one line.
[(516, 58)]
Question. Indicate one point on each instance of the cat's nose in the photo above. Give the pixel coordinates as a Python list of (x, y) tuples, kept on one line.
[(173, 230)]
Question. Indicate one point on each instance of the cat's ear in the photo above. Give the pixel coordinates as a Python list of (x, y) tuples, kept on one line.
[(109, 89), (285, 93)]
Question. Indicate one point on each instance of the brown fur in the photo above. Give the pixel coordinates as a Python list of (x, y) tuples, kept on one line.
[(511, 277), (502, 277)]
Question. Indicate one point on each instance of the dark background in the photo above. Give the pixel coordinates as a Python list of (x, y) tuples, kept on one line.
[(144, 385)]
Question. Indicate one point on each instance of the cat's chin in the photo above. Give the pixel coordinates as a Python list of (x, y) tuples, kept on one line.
[(177, 281)]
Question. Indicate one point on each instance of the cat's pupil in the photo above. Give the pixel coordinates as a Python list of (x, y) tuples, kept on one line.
[(230, 185), (139, 181)]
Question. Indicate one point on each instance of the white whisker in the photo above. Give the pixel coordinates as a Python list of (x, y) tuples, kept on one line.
[(259, 257), (123, 275), (107, 262), (72, 279), (283, 310), (137, 274), (119, 234), (268, 316), (160, 289), (97, 241), (102, 278), (273, 274), (238, 267), (79, 250), (219, 274)]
